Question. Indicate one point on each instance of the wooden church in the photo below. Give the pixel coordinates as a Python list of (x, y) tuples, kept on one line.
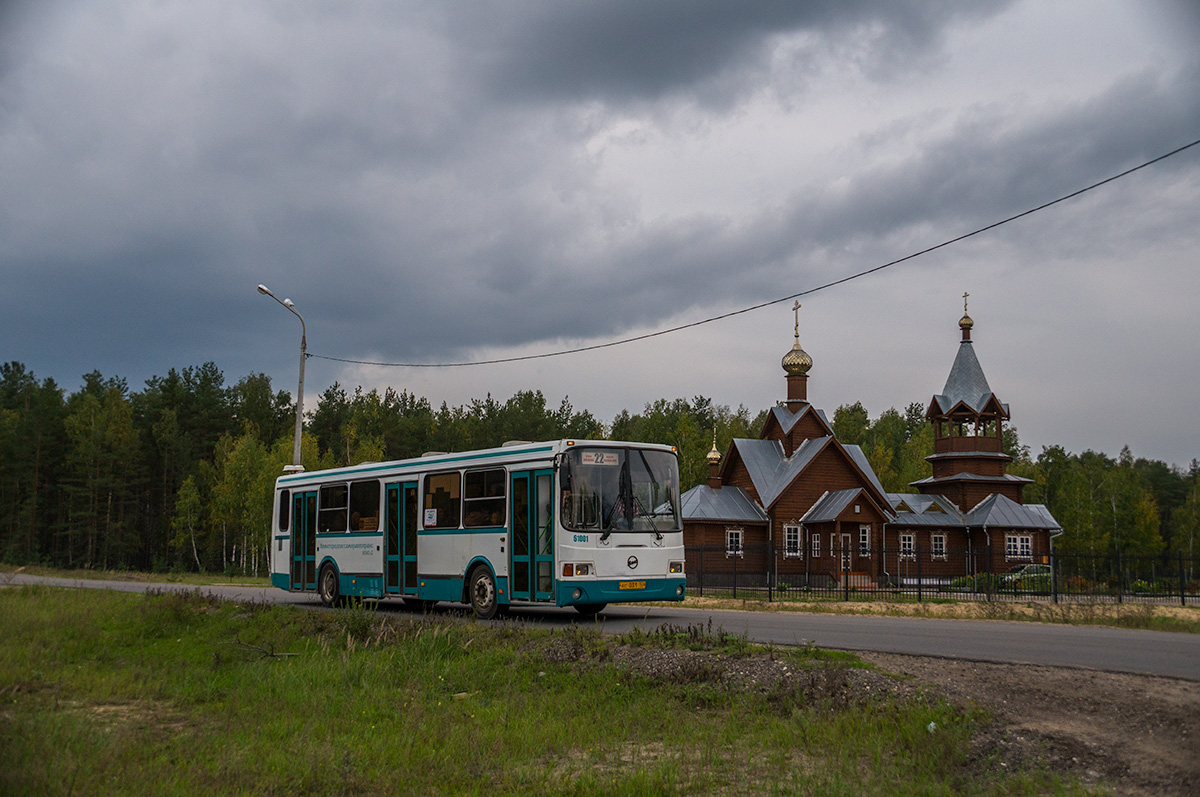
[(797, 507)]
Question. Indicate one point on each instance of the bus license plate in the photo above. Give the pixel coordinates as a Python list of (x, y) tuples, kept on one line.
[(633, 585)]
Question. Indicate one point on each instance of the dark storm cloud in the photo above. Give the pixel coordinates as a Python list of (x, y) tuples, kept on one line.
[(628, 50), (985, 169), (988, 167)]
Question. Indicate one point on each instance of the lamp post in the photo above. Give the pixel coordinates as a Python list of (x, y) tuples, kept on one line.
[(295, 467)]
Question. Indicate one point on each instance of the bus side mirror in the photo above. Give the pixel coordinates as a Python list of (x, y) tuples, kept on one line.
[(564, 472)]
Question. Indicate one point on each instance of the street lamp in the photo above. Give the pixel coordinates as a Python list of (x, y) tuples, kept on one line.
[(295, 467)]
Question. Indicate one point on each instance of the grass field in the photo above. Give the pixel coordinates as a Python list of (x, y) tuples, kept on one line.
[(178, 693)]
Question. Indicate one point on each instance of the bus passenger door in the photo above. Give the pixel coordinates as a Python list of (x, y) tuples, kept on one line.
[(521, 564), (400, 558), (304, 541), (543, 535), (531, 569)]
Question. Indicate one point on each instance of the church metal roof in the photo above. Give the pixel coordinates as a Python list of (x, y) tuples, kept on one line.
[(966, 383), (860, 459), (830, 505), (787, 419), (771, 471), (1000, 511), (963, 476), (728, 504), (917, 509)]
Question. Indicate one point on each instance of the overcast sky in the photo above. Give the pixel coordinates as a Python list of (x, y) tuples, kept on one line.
[(439, 182)]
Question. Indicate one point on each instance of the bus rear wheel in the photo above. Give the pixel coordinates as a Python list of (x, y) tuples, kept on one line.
[(482, 591), (589, 609), (327, 586)]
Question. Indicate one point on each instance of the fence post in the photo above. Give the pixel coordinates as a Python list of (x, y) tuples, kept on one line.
[(919, 579), (1182, 582), (845, 573), (701, 576), (1053, 576), (772, 571), (990, 586), (1120, 580), (735, 558)]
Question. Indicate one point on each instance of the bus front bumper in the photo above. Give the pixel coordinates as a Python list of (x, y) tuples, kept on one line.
[(582, 593)]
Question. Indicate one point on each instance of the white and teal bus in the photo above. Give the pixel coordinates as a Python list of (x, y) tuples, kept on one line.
[(563, 523)]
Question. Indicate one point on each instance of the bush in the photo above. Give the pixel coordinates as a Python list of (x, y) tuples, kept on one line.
[(1076, 585), (1039, 583), (983, 582)]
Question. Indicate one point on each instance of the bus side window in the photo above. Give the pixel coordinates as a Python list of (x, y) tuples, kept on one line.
[(332, 512), (364, 506), (285, 508), (442, 500), (483, 497)]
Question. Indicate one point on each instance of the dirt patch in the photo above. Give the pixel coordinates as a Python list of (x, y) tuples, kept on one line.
[(1138, 735), (1131, 734), (140, 715)]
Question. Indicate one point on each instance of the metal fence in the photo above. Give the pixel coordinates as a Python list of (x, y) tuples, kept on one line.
[(758, 572)]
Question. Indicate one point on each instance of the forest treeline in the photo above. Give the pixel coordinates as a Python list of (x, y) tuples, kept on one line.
[(178, 475)]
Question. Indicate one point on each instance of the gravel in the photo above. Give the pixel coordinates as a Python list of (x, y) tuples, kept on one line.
[(1128, 734)]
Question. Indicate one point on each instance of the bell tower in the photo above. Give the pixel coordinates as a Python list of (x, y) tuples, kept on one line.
[(968, 419)]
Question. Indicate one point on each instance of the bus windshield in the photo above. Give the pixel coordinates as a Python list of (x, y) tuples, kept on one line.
[(619, 490)]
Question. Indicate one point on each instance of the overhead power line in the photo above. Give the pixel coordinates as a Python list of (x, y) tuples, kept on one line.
[(781, 299)]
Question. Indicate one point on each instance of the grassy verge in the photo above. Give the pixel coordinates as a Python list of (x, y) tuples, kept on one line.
[(1155, 617), (192, 579), (178, 693)]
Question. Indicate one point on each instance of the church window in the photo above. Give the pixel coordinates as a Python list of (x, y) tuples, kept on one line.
[(791, 541), (937, 546), (864, 540), (1018, 546), (816, 546), (733, 543), (907, 547)]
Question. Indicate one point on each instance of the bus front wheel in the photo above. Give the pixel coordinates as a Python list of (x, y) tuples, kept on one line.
[(588, 609), (482, 589), (327, 587)]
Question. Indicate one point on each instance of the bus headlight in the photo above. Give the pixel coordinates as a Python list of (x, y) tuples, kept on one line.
[(577, 594), (679, 590), (676, 567)]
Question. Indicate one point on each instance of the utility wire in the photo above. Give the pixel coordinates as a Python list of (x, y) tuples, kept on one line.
[(781, 299)]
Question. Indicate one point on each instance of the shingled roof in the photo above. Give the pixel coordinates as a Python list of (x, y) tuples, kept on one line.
[(966, 383)]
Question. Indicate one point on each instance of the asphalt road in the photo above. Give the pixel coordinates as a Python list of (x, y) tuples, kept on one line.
[(1092, 647)]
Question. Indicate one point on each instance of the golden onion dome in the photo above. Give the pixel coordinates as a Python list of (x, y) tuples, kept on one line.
[(714, 456), (797, 362)]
